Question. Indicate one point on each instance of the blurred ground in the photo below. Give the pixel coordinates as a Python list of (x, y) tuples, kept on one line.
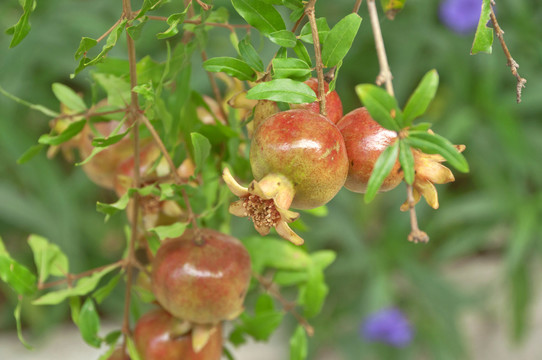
[(485, 330)]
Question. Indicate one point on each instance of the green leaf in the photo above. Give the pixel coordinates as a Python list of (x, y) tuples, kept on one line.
[(392, 7), (265, 321), (68, 97), (202, 149), (260, 15), (132, 349), (306, 33), (83, 286), (109, 44), (283, 38), (406, 159), (291, 68), (135, 30), (320, 211), (17, 315), (323, 258), (170, 231), (483, 39), (382, 168), (436, 144), (22, 27), (301, 51), (231, 66), (421, 97), (117, 88), (289, 278), (48, 257), (173, 20), (85, 45), (30, 153), (89, 323), (111, 139), (285, 90), (122, 202), (148, 5), (249, 54), (72, 130), (424, 126), (17, 276), (520, 299), (299, 344), (100, 294), (313, 294), (339, 40), (75, 308), (276, 254), (380, 105)]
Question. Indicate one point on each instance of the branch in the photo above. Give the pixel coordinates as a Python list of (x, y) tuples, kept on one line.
[(356, 6), (416, 235), (71, 277), (288, 306), (385, 75), (108, 31), (309, 11), (511, 63)]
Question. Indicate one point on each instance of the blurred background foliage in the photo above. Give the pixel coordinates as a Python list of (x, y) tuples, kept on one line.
[(491, 213)]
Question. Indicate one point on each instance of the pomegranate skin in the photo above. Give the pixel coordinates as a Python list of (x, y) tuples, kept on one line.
[(307, 149), (365, 140), (155, 341), (203, 284), (334, 106)]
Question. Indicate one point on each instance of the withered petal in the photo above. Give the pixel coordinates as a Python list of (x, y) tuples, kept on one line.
[(237, 209), (233, 185), (286, 233)]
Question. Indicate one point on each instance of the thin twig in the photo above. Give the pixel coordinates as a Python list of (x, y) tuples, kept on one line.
[(231, 27), (133, 111), (511, 63), (216, 90), (89, 114), (70, 277), (416, 235), (309, 11), (385, 75), (108, 31), (356, 6), (288, 306)]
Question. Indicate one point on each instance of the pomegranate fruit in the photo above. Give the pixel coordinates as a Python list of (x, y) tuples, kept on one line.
[(202, 283), (160, 336), (299, 160), (334, 106), (365, 140)]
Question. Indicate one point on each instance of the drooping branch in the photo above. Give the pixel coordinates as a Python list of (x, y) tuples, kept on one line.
[(511, 63)]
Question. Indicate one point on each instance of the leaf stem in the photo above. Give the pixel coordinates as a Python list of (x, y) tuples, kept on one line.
[(511, 63), (309, 11)]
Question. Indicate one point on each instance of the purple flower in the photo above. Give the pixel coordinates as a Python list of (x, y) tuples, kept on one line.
[(388, 326), (460, 15)]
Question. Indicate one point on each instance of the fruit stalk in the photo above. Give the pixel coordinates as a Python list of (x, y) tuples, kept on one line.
[(309, 11)]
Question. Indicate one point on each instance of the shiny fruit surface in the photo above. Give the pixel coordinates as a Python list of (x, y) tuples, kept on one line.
[(334, 106)]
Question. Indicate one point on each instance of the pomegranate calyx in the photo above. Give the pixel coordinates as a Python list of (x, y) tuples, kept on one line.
[(266, 202)]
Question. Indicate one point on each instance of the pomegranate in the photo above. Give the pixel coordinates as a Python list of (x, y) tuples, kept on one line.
[(334, 106), (202, 276), (365, 140), (160, 336), (299, 160)]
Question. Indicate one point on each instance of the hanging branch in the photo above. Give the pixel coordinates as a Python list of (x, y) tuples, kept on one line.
[(309, 11), (385, 77), (511, 63)]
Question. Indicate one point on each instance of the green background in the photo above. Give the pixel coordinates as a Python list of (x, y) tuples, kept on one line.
[(489, 215)]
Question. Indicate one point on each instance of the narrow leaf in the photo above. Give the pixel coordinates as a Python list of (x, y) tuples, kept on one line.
[(103, 292), (298, 344), (285, 90), (436, 144), (173, 21), (72, 130), (421, 97), (85, 45), (22, 27), (250, 55), (39, 108), (291, 68), (170, 231), (260, 15), (407, 161), (306, 33), (483, 39), (380, 105), (283, 38), (30, 153), (381, 170), (68, 97), (301, 51), (231, 66), (17, 315), (89, 323), (202, 149), (48, 257), (340, 39), (17, 276)]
